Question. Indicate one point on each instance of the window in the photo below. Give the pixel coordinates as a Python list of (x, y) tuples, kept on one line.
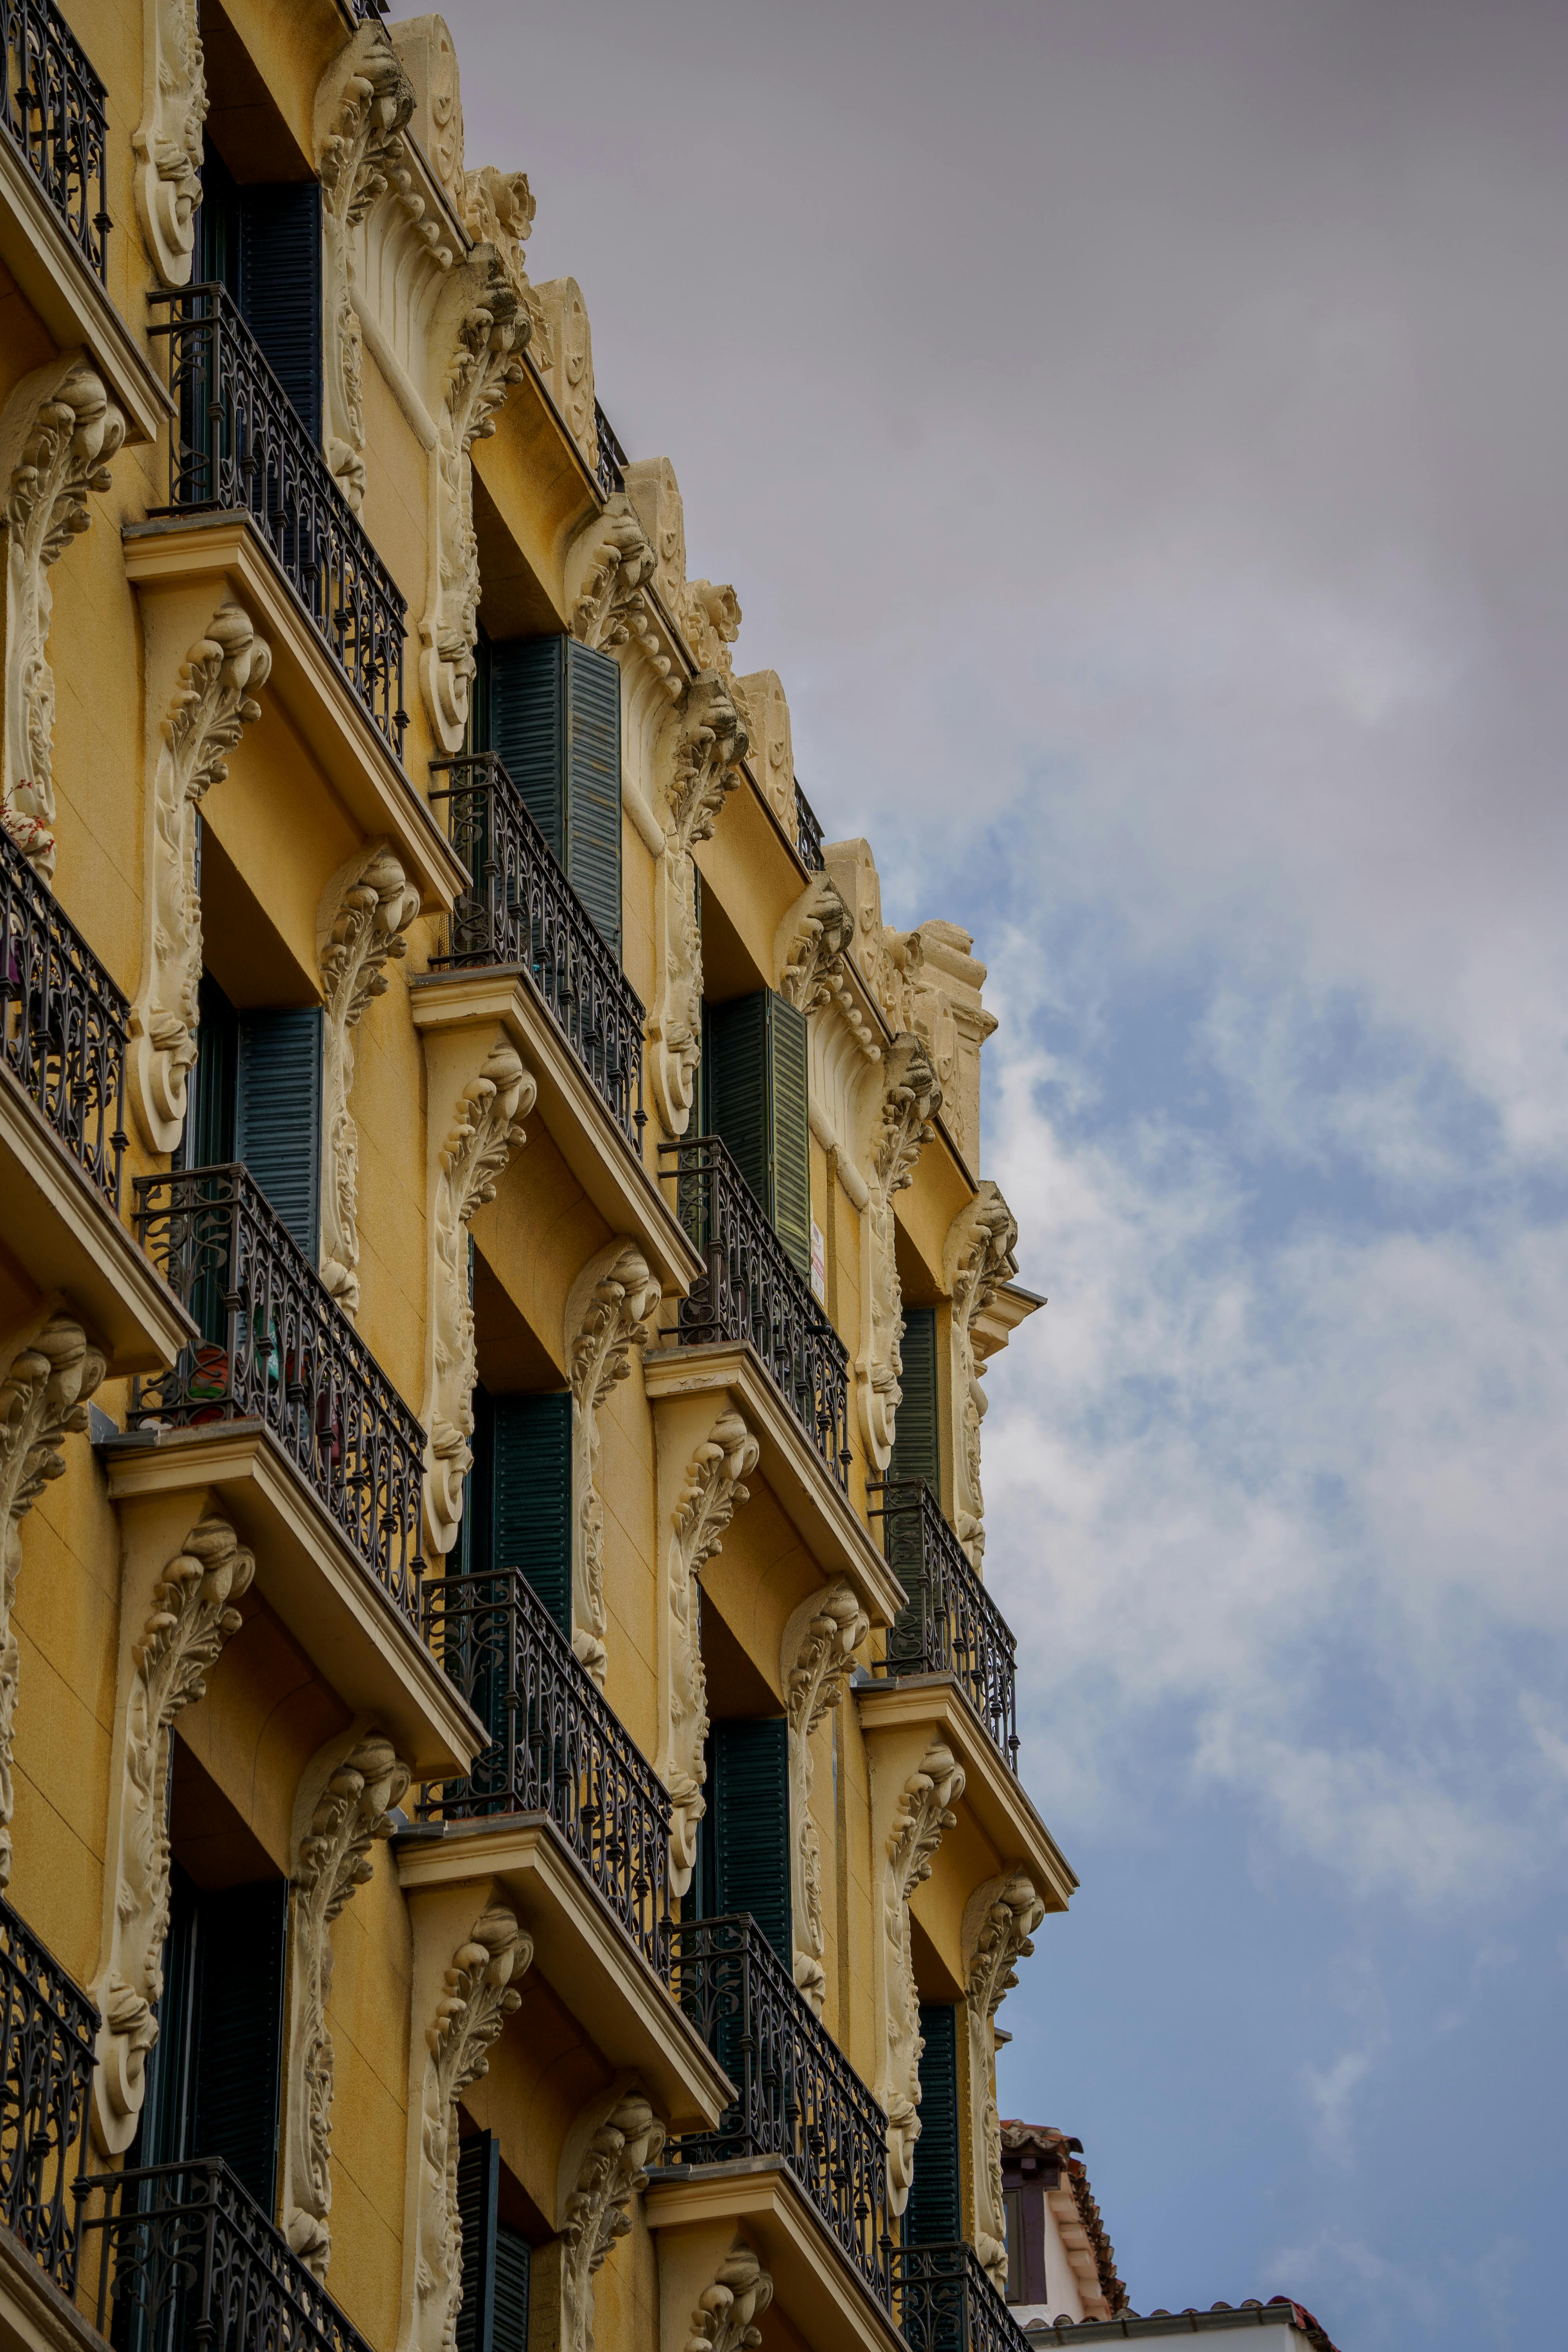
[(743, 1844), (493, 2315), (263, 242), (755, 1077), (519, 1512), (255, 1096), (932, 2216), (917, 1448), (555, 720)]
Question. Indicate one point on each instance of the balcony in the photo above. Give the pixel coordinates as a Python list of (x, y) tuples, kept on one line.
[(808, 834), (561, 1750), (54, 110), (521, 910), (278, 1349), (240, 446), (47, 2035), (945, 2303), (749, 1290), (610, 471), (799, 2097), (188, 2258), (949, 1625), (64, 1024)]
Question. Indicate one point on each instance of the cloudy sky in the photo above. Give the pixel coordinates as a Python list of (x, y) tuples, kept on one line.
[(1138, 433)]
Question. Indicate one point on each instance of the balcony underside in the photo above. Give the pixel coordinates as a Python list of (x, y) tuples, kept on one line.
[(926, 1706), (820, 1512), (346, 1625), (816, 2288), (582, 1952), (66, 1238), (35, 2315)]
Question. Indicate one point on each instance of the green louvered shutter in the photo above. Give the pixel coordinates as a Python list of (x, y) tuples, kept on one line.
[(750, 1772), (278, 1116), (528, 727), (917, 1445), (556, 721), (755, 1049), (478, 2183), (209, 1116), (281, 286), (163, 2135), (933, 2217), (241, 1934), (510, 2303), (531, 1495)]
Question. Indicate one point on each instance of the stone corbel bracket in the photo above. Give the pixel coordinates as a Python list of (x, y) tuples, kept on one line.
[(698, 767), (343, 1806), (910, 1099), (920, 1808), (364, 100), (998, 1922), (176, 1612), (978, 1257), (816, 1657), (360, 927), (58, 432), (479, 1074), (607, 1312), (604, 2167), (212, 698), (727, 2309), (168, 145), (43, 1397)]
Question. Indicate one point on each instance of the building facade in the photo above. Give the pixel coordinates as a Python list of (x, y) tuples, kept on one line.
[(512, 1833)]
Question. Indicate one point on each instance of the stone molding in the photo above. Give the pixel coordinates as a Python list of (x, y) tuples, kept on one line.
[(699, 752), (810, 947), (727, 2313), (168, 145), (712, 1492), (478, 1995), (566, 362), (890, 961), (609, 565), (43, 1397), (608, 1309), (759, 697), (335, 1826), (362, 105), (977, 1259), (192, 1617), (909, 1099), (925, 1812), (360, 926), (817, 1658), (468, 1163), (710, 616), (596, 2211), (213, 701), (999, 1920), (58, 432)]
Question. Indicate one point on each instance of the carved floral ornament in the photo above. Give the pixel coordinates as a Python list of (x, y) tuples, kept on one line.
[(809, 951), (925, 1812), (332, 1861), (192, 1616), (1000, 1920), (609, 565), (478, 1993), (977, 1259), (486, 1131), (597, 2209), (362, 106), (57, 434), (214, 700), (910, 1098), (819, 1656), (168, 145), (710, 1496), (607, 1316), (360, 927), (725, 2319), (699, 752), (43, 1397)]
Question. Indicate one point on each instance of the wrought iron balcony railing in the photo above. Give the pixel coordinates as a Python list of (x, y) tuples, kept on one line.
[(64, 1024), (241, 445), (799, 2097), (278, 1349), (189, 2263), (47, 2026), (808, 834), (560, 1747), (749, 1289), (522, 910), (610, 471), (949, 1625), (944, 2302), (54, 110)]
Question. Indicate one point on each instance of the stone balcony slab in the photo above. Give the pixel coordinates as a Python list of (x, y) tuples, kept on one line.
[(816, 2287)]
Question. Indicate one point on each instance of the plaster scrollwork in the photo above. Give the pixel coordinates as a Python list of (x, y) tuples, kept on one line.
[(597, 2209), (709, 618), (701, 748), (168, 145), (192, 1617), (43, 1398), (478, 1993), (816, 1660), (498, 210), (569, 368), (997, 1927), (727, 2313), (57, 434), (891, 961), (332, 1858), (808, 952), (977, 1259), (486, 1131), (910, 1098), (714, 1491), (925, 1812), (608, 1309), (487, 328), (214, 700), (362, 107), (609, 564), (360, 927)]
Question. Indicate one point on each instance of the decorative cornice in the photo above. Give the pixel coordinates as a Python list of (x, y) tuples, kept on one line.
[(364, 915), (607, 1316), (925, 1812), (817, 1659), (168, 144), (612, 2172), (711, 1494)]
